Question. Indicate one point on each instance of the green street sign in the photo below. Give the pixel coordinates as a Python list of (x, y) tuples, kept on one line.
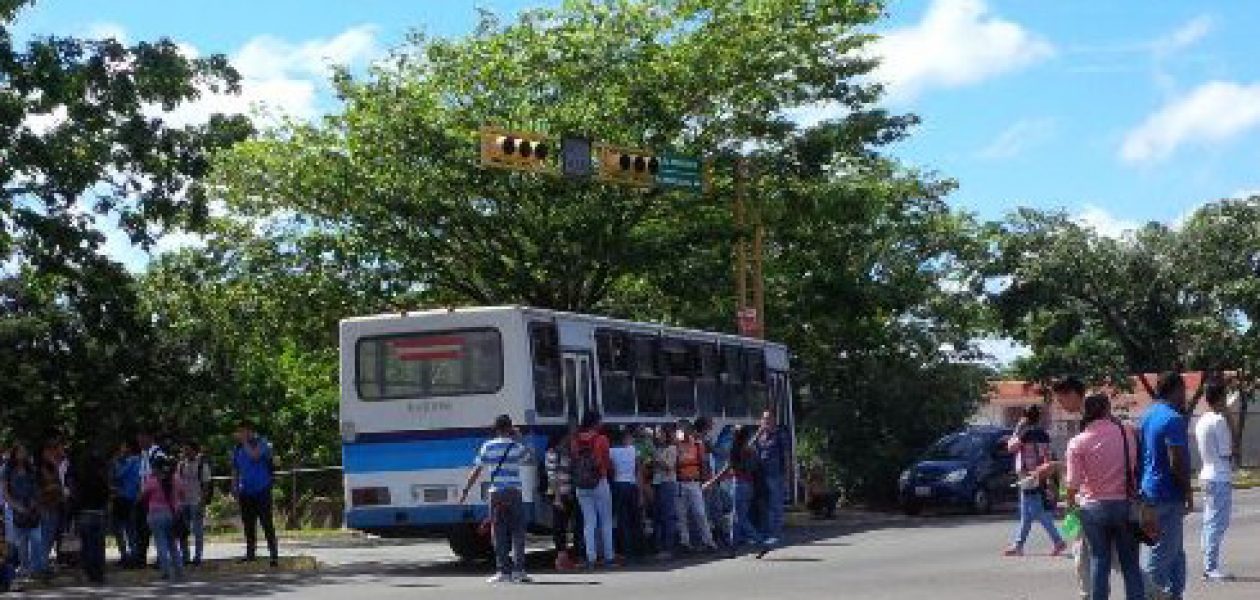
[(685, 172)]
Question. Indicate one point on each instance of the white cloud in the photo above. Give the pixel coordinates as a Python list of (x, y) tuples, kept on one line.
[(1214, 112), (1019, 137), (1190, 33), (1001, 352), (1105, 223), (957, 43), (281, 79), (105, 31)]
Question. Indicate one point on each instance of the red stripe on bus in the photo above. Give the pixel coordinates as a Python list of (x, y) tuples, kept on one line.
[(422, 356), (426, 342)]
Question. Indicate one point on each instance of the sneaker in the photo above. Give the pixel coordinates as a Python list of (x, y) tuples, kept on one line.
[(1059, 549), (1217, 576), (499, 578), (522, 578), (1013, 551)]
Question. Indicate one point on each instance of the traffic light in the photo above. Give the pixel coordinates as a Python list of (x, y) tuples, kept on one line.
[(627, 166), (521, 151)]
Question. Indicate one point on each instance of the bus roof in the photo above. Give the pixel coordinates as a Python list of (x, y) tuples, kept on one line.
[(568, 315)]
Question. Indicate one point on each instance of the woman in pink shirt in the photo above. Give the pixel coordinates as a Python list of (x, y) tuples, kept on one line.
[(161, 493), (1099, 482)]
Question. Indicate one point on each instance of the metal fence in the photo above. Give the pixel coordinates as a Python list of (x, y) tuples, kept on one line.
[(304, 497)]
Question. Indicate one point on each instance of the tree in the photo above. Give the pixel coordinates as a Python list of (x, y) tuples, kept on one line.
[(81, 142)]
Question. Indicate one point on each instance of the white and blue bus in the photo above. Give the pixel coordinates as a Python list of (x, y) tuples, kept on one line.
[(420, 390)]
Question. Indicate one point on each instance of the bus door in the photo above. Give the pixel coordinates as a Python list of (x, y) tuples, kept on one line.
[(579, 388)]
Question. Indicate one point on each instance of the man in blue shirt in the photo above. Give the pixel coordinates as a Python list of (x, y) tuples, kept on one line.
[(772, 452), (1166, 484), (253, 471), (503, 456)]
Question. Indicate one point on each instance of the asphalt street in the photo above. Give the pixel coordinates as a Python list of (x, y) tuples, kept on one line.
[(939, 557)]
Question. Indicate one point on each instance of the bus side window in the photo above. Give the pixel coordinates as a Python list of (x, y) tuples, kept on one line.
[(734, 394), (544, 341), (708, 396), (680, 371), (649, 385), (617, 385), (755, 362)]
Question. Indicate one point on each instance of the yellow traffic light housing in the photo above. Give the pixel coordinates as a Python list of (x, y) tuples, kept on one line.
[(516, 150), (627, 166)]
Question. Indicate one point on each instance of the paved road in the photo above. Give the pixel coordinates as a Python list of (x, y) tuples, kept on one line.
[(935, 558)]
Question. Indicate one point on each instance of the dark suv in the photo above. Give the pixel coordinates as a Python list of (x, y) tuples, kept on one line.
[(970, 469)]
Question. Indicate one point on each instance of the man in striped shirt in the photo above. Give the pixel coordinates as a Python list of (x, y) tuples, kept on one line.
[(503, 457)]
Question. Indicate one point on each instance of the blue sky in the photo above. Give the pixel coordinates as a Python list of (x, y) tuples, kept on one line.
[(1118, 112)]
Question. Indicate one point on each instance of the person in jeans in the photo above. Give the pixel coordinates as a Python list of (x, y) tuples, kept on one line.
[(50, 474), (665, 492), (627, 509), (1099, 484), (1215, 441), (693, 471), (149, 452), (564, 509), (503, 457), (1031, 446), (743, 467), (1166, 485), (194, 474), (21, 494), (592, 467), (163, 493), (772, 455), (90, 494), (253, 473), (124, 486)]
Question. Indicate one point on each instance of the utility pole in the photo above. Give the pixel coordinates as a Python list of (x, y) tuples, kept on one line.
[(750, 307)]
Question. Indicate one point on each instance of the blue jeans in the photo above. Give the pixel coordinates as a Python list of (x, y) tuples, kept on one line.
[(1105, 526), (123, 526), (162, 525), (30, 547), (1165, 563), (743, 530), (1218, 502), (50, 531), (774, 507), (195, 516), (1032, 508), (665, 515), (92, 537), (629, 517), (597, 514), (507, 514)]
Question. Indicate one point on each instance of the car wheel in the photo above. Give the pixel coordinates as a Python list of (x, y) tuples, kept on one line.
[(469, 544), (981, 501)]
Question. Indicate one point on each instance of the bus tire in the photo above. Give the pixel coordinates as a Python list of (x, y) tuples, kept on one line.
[(469, 544)]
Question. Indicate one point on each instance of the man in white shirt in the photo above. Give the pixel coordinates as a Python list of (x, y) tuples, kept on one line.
[(1216, 448)]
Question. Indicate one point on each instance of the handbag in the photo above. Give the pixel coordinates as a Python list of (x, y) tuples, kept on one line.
[(1142, 520), (486, 525)]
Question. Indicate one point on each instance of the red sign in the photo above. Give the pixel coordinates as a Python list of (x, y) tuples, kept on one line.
[(749, 323), (442, 347)]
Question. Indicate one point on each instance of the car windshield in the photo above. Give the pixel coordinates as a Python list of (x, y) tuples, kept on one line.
[(960, 446)]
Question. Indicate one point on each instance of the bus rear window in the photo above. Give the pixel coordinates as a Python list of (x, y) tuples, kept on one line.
[(425, 365)]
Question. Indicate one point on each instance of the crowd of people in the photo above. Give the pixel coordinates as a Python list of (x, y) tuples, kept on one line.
[(60, 504), (1131, 486), (634, 493)]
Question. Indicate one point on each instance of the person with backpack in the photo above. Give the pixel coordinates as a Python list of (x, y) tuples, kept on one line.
[(692, 472), (90, 499), (194, 473), (253, 474), (125, 491), (743, 467), (1031, 445), (592, 466), (21, 493), (503, 456), (162, 494)]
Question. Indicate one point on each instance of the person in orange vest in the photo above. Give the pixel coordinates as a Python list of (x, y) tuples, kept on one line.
[(693, 471)]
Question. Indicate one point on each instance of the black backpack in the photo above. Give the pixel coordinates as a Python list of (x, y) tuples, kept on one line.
[(585, 466)]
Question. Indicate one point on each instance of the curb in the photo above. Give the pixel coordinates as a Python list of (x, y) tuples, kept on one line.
[(208, 571)]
